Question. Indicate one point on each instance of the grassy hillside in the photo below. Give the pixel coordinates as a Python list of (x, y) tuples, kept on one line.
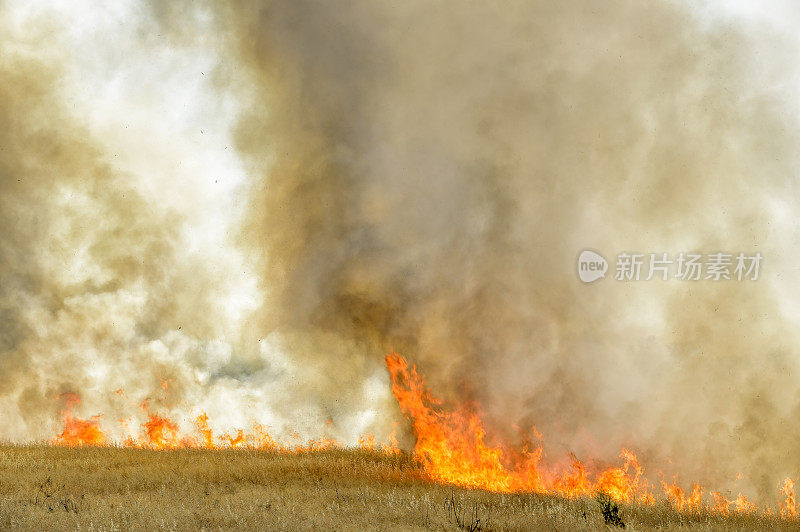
[(45, 487)]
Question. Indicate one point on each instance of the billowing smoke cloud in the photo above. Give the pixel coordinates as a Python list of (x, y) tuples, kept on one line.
[(412, 176), (431, 170), (119, 276), (94, 285)]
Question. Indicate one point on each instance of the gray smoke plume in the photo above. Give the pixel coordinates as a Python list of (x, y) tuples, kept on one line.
[(410, 176), (431, 170)]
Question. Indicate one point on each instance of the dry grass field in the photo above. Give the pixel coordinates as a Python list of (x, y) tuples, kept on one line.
[(52, 488)]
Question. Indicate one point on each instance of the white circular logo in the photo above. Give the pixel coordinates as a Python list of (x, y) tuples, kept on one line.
[(591, 266)]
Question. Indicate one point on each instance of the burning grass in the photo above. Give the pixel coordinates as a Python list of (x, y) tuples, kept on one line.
[(452, 449), (451, 444), (117, 488)]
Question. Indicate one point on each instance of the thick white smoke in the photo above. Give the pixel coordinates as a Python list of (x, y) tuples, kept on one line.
[(123, 195)]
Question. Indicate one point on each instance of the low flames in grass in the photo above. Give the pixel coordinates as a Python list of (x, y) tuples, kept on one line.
[(161, 433), (452, 449), (79, 431)]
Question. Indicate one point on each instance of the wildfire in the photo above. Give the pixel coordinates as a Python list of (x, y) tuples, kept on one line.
[(78, 432), (789, 505), (160, 433), (451, 446)]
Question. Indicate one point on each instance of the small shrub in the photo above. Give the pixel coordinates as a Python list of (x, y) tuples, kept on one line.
[(610, 510)]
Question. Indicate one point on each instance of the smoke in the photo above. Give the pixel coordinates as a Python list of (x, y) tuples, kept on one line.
[(430, 171), (120, 280), (253, 202)]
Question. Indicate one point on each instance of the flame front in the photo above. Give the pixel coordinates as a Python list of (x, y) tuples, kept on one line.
[(452, 447), (789, 504), (79, 432)]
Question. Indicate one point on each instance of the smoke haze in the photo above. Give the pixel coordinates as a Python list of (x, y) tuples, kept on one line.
[(255, 201)]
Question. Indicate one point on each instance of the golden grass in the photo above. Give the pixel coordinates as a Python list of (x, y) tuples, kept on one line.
[(51, 488)]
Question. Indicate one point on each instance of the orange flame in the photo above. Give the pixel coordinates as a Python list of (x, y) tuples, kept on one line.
[(789, 504), (692, 502), (452, 448), (162, 433), (235, 441), (201, 425), (79, 432), (367, 442), (721, 504)]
